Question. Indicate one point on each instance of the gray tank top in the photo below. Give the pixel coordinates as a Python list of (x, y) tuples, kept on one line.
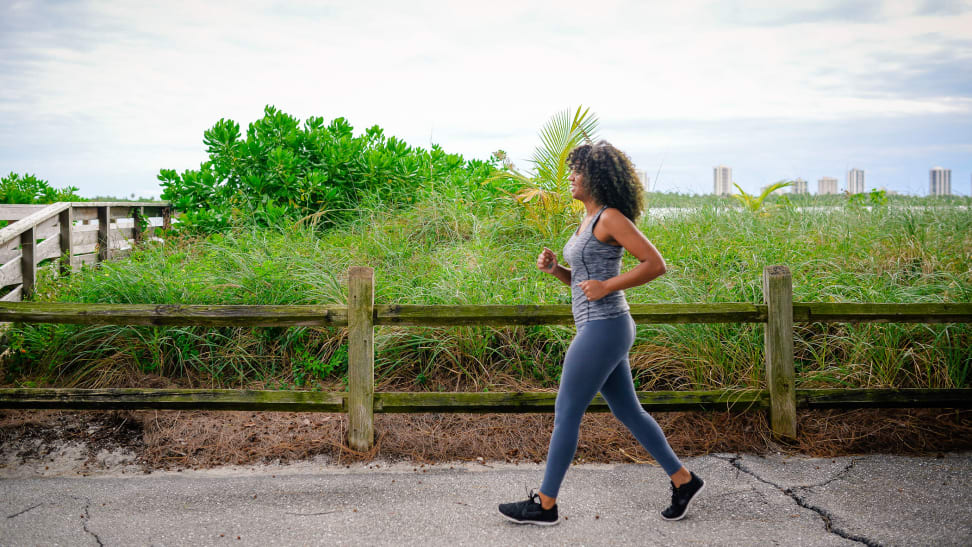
[(589, 258)]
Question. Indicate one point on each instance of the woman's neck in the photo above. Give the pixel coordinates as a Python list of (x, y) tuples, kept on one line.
[(592, 207)]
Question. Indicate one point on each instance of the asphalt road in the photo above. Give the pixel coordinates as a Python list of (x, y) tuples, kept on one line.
[(749, 500)]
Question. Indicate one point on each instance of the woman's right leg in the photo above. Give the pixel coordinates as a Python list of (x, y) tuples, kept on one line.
[(618, 390)]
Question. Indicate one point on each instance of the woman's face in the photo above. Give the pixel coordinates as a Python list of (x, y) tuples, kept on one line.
[(578, 190)]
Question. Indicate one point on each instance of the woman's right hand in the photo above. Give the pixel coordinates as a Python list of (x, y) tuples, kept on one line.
[(547, 261)]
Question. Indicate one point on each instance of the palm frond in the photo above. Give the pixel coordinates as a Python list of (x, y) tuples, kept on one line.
[(558, 137), (772, 188)]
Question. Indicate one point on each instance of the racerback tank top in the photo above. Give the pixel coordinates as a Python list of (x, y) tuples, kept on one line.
[(589, 258)]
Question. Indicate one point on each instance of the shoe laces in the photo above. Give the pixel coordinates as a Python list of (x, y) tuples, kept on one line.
[(534, 496), (675, 499)]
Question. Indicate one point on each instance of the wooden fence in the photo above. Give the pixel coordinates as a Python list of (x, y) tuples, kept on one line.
[(77, 232), (361, 316)]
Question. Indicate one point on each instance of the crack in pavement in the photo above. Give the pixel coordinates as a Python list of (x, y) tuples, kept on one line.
[(835, 477), (824, 515), (17, 514), (86, 518)]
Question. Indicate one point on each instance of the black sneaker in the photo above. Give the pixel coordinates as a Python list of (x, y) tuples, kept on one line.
[(530, 511), (682, 497)]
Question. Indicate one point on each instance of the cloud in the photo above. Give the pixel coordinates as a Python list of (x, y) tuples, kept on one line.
[(771, 13), (944, 7), (94, 90)]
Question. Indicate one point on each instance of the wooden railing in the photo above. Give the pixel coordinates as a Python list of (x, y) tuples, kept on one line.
[(66, 230), (361, 316)]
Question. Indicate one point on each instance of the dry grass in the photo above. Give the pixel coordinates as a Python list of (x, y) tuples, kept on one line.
[(202, 439)]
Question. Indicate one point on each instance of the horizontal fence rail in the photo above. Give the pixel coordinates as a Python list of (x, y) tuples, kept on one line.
[(360, 315), (446, 316), (469, 402)]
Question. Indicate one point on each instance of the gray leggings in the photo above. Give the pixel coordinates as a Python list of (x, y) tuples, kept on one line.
[(597, 360)]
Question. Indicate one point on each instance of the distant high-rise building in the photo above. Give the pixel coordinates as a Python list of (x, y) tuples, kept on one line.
[(940, 182), (799, 186), (722, 180), (643, 177), (826, 185), (855, 181)]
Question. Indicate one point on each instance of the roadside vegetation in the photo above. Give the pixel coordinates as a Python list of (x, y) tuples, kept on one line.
[(439, 229)]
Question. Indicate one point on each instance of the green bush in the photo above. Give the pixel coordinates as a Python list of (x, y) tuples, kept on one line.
[(283, 170), (28, 189)]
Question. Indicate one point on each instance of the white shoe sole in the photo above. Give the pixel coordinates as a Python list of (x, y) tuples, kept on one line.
[(687, 505), (537, 522)]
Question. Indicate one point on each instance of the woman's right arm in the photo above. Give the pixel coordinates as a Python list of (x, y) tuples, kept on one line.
[(547, 262)]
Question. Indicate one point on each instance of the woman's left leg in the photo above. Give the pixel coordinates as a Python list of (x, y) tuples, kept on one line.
[(598, 346)]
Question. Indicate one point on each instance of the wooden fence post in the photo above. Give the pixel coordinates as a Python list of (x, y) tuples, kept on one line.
[(361, 358), (136, 226), (28, 265), (104, 233), (66, 221), (778, 293)]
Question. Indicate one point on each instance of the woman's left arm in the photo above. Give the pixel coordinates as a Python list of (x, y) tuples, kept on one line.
[(620, 229)]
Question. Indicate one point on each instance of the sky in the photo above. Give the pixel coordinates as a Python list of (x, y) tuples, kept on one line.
[(101, 95)]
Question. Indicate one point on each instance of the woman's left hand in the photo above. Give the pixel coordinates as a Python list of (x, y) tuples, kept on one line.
[(594, 289)]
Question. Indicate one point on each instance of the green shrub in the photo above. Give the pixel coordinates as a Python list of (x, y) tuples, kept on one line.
[(28, 189), (285, 170)]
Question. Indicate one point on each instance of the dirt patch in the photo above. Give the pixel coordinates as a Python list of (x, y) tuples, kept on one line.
[(87, 441)]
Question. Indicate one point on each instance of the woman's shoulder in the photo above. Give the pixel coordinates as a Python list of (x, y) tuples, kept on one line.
[(612, 215)]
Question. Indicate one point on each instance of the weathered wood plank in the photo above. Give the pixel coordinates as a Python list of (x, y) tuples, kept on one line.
[(824, 312), (65, 239), (86, 236), (884, 398), (173, 314), (120, 211), (104, 233), (527, 402), (85, 213), (47, 228), (361, 358), (516, 402), (28, 260), (49, 248), (198, 399), (10, 250), (409, 314), (778, 337), (136, 219), (85, 241), (16, 295), (160, 204), (12, 231), (83, 258), (17, 211), (7, 256)]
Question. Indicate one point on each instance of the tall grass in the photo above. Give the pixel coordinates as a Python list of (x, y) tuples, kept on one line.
[(445, 251)]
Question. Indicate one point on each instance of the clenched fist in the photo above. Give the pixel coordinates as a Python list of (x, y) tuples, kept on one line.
[(546, 261)]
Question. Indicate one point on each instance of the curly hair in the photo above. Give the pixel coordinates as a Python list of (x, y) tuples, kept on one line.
[(609, 176)]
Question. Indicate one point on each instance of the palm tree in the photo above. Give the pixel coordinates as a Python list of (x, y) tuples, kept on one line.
[(753, 203), (545, 196)]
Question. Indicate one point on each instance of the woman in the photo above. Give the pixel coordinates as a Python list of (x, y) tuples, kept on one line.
[(603, 178)]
